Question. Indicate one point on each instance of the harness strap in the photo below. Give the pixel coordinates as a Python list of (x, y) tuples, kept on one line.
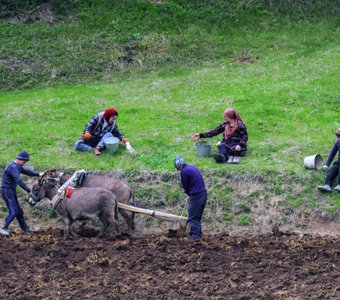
[(60, 194), (57, 199)]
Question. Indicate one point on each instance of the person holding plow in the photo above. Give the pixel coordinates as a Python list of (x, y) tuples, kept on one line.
[(193, 185)]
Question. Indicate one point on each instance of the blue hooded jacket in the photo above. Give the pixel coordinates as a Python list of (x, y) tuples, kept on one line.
[(336, 148), (11, 177)]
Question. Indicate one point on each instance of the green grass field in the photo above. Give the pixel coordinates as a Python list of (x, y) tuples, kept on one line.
[(289, 99), (183, 78)]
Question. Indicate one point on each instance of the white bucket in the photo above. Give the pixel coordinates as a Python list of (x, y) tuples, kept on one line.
[(111, 144), (313, 162)]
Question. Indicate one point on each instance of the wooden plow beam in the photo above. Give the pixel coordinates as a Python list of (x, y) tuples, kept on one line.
[(153, 213)]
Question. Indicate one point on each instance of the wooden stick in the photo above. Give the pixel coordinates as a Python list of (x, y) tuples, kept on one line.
[(169, 184), (156, 214)]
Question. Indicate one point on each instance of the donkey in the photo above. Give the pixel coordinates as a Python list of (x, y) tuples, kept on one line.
[(121, 190), (83, 204)]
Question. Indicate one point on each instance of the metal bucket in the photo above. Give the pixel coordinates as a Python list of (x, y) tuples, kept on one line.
[(203, 148), (313, 162), (111, 144)]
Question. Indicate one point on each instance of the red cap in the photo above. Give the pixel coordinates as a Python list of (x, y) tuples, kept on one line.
[(110, 113)]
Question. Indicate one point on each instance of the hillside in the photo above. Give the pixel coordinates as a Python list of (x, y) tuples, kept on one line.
[(171, 68), (48, 43)]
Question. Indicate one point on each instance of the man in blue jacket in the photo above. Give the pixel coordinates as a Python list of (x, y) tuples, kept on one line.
[(193, 185), (334, 171), (10, 179)]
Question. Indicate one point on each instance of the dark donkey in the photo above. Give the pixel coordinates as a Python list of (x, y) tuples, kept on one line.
[(83, 204), (121, 190)]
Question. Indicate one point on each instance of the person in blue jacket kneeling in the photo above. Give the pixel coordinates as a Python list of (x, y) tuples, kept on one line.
[(193, 185)]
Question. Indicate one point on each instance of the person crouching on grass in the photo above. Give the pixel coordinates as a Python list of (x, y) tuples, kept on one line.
[(234, 140), (10, 179), (334, 171), (193, 185), (101, 126)]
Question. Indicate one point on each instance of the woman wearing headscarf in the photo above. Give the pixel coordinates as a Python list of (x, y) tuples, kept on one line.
[(234, 140), (101, 126)]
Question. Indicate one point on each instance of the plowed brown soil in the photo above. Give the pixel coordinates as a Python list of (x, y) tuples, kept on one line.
[(48, 266)]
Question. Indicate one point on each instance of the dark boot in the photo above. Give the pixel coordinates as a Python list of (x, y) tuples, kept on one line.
[(220, 158)]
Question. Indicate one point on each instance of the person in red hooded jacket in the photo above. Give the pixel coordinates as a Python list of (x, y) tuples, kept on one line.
[(234, 140), (103, 125)]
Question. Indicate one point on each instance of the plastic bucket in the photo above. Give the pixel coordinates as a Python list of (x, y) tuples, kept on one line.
[(313, 162), (203, 148), (111, 144)]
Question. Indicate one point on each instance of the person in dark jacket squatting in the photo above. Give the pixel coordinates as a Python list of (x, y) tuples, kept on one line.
[(101, 126), (10, 179), (334, 171), (193, 185), (234, 140)]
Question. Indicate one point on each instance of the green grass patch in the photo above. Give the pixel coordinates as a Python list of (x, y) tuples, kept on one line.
[(171, 70)]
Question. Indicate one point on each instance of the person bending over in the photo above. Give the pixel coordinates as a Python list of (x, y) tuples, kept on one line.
[(193, 185)]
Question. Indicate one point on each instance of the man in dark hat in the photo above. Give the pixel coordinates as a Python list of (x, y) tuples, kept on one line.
[(193, 185), (333, 171), (101, 127), (10, 179)]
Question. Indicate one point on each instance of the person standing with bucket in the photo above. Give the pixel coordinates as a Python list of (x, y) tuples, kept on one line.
[(234, 140), (101, 127), (10, 179), (334, 171), (193, 185)]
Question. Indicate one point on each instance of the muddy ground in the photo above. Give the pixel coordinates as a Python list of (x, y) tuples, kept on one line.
[(275, 266)]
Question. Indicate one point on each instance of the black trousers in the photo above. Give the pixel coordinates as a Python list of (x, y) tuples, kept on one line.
[(226, 151), (332, 173)]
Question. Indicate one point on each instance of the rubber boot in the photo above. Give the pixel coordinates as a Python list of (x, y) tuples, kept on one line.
[(325, 188), (29, 230), (236, 159), (4, 231)]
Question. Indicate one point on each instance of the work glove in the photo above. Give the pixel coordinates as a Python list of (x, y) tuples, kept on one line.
[(86, 135), (125, 140)]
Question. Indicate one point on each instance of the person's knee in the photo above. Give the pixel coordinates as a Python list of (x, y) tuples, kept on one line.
[(76, 145), (80, 146), (12, 214)]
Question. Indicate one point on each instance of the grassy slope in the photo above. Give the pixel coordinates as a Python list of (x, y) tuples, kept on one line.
[(289, 97)]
